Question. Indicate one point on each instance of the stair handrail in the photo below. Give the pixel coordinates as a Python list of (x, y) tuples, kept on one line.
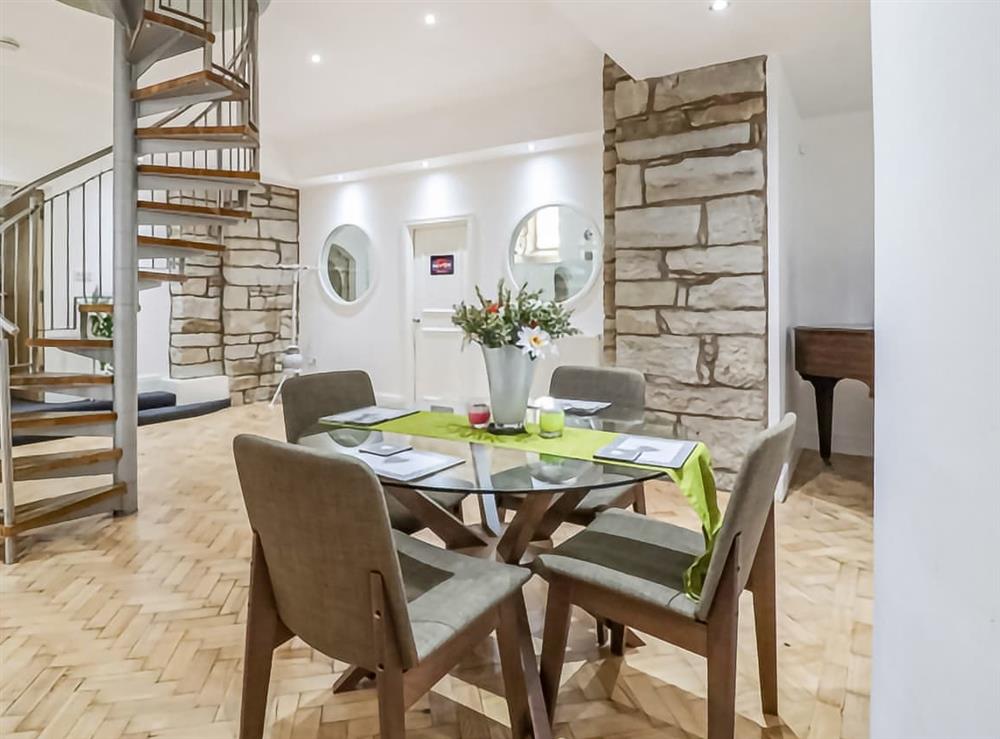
[(6, 436), (9, 327)]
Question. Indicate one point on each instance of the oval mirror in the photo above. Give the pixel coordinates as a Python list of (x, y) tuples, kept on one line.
[(346, 264), (556, 249)]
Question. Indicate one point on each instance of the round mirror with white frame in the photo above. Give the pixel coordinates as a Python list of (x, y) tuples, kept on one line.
[(556, 249), (346, 264)]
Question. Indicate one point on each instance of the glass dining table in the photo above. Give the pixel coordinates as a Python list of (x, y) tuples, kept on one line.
[(549, 486)]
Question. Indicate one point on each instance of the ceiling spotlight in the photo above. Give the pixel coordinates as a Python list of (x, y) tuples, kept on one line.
[(339, 178), (315, 58), (718, 5), (531, 146), (430, 19), (425, 164)]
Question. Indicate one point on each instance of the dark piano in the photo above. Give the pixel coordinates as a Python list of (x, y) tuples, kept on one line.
[(825, 355)]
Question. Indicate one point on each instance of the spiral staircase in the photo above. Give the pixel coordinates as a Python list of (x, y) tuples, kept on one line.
[(185, 158)]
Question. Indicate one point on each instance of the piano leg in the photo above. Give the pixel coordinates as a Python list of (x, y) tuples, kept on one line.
[(824, 386)]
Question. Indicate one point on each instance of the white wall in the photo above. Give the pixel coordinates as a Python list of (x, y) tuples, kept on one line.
[(375, 335), (937, 411)]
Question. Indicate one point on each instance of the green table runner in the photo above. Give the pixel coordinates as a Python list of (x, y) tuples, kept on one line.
[(694, 478)]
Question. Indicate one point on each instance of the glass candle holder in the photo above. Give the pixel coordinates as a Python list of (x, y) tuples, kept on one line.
[(479, 415)]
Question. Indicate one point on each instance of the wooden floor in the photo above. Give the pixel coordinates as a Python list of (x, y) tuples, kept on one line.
[(133, 627)]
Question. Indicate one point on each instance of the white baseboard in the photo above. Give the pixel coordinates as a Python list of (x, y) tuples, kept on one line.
[(194, 390)]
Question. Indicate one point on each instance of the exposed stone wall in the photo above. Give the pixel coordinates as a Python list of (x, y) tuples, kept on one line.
[(233, 316), (686, 234)]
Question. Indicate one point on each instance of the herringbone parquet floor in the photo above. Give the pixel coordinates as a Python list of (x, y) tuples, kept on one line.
[(133, 628)]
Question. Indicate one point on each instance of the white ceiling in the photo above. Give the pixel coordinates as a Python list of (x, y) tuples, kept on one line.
[(391, 89)]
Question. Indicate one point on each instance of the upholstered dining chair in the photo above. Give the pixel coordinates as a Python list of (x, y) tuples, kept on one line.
[(307, 398), (623, 388), (327, 567), (629, 569)]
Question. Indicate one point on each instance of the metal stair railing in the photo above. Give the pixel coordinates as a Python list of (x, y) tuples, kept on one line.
[(7, 328)]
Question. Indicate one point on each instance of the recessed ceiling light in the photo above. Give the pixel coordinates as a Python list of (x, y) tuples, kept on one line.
[(531, 147), (315, 58), (430, 19), (718, 5), (339, 178), (425, 164)]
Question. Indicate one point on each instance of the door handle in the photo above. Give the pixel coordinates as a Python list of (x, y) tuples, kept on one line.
[(416, 320)]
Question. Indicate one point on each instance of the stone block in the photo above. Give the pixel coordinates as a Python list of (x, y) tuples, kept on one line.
[(662, 226), (284, 197), (673, 357), (646, 293), (257, 395), (699, 177), (243, 382), (229, 339), (257, 276), (250, 321), (252, 258), (735, 220), (636, 322), (257, 303), (628, 185), (727, 293), (726, 438), (691, 85), (189, 371), (279, 230), (691, 322), (289, 253), (261, 338), (251, 244), (275, 214), (735, 260), (243, 229), (631, 98), (189, 306), (188, 355), (278, 302), (243, 367), (664, 395), (186, 340), (215, 353), (741, 361), (637, 264), (195, 326), (192, 286), (666, 146), (240, 351), (234, 298), (741, 111), (195, 270)]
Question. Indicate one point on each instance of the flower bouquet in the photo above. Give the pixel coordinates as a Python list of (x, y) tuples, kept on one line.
[(514, 330)]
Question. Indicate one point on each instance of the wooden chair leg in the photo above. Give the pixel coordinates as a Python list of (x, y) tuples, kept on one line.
[(522, 684), (391, 708), (723, 621), (617, 639), (639, 502), (558, 613), (762, 583), (263, 634)]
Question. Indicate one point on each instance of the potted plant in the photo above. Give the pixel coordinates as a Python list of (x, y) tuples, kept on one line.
[(514, 330)]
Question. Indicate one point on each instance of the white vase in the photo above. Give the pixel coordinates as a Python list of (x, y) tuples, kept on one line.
[(509, 372)]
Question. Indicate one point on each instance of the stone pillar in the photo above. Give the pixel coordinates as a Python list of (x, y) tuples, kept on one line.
[(686, 248)]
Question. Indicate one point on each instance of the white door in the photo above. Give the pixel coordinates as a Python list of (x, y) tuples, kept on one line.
[(443, 375)]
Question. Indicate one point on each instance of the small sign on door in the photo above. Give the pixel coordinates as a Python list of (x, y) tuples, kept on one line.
[(442, 264)]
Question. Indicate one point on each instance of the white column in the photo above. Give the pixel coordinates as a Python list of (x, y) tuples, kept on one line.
[(936, 85), (126, 284)]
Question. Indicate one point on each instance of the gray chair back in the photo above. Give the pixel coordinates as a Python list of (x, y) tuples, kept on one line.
[(323, 527), (749, 505), (617, 385), (307, 398)]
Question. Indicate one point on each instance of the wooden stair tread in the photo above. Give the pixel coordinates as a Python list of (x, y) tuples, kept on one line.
[(166, 20), (51, 510), (195, 172), (180, 243), (96, 307), (191, 84), (197, 210), (235, 134), (49, 419), (34, 464), (70, 343), (40, 379), (145, 274)]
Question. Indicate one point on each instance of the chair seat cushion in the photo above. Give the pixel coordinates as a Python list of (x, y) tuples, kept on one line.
[(401, 519), (447, 591), (629, 554)]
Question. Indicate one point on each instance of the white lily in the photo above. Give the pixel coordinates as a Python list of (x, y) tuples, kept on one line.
[(533, 340)]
